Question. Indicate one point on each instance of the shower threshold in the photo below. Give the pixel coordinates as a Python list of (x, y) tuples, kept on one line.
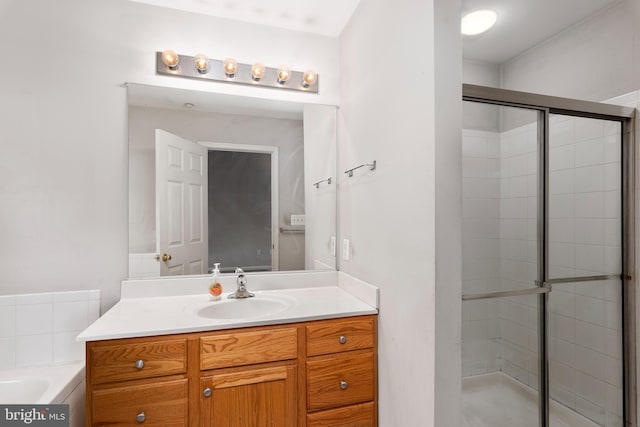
[(498, 400)]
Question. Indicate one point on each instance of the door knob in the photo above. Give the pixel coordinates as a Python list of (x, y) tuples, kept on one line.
[(166, 257)]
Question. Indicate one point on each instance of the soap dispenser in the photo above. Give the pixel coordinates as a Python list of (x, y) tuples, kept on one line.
[(215, 288)]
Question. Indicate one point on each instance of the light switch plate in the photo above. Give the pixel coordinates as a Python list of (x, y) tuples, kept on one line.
[(346, 249), (298, 219)]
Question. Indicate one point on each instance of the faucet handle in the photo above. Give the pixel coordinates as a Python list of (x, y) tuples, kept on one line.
[(239, 270), (242, 280)]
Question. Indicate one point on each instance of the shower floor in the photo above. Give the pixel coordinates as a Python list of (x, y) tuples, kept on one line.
[(497, 400)]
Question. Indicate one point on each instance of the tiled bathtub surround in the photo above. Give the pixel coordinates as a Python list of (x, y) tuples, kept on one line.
[(41, 329), (585, 318)]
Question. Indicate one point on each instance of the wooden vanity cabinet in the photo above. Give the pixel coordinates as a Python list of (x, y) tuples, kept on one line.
[(313, 374)]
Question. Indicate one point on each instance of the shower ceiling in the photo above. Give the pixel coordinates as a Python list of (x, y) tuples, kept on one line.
[(523, 24)]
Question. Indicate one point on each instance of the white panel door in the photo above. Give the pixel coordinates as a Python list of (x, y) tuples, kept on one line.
[(181, 205)]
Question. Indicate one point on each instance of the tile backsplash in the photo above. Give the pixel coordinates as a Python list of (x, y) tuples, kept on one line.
[(41, 329)]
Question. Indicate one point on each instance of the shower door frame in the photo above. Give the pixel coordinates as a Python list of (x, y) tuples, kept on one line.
[(545, 106)]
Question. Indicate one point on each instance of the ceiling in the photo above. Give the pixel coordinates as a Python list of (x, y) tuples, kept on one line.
[(325, 17), (523, 24)]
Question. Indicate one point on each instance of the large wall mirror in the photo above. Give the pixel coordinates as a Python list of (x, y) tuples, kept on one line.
[(239, 181)]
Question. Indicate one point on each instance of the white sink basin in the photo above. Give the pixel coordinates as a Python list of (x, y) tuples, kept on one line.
[(246, 308)]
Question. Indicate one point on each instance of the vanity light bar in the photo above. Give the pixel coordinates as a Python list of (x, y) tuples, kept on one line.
[(168, 63)]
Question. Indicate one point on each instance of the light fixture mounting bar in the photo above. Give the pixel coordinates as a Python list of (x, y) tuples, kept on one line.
[(186, 68)]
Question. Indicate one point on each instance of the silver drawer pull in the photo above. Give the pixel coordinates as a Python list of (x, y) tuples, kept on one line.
[(344, 385), (141, 417), (343, 339), (207, 392), (139, 364)]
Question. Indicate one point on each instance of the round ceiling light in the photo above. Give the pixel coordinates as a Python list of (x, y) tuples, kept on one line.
[(478, 22)]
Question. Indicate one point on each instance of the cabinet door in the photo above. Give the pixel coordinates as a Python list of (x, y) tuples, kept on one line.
[(263, 397)]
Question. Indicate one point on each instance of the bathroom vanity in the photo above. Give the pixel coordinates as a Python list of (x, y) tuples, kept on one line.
[(312, 363)]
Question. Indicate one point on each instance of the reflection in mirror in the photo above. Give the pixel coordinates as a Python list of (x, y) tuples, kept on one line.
[(220, 178)]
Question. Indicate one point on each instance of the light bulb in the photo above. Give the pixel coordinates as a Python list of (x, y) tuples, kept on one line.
[(202, 63), (257, 71), (478, 22), (284, 73), (230, 66), (170, 59), (309, 77)]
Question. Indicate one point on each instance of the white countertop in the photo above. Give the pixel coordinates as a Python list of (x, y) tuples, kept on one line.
[(162, 315)]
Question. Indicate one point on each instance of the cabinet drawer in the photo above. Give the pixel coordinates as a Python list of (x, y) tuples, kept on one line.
[(341, 335), (148, 359), (339, 381), (362, 415), (154, 404), (247, 348)]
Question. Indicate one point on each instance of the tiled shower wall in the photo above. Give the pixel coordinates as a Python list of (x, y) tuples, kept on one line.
[(585, 318), (481, 335), (518, 251)]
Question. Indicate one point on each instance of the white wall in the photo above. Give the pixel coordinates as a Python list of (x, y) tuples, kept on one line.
[(447, 105), (64, 120), (390, 214), (595, 60)]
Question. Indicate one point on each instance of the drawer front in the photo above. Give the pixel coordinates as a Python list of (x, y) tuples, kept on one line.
[(362, 415), (121, 362), (339, 381), (155, 404), (341, 335), (247, 348)]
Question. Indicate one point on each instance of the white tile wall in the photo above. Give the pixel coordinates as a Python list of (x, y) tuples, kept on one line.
[(481, 349), (585, 320), (40, 329)]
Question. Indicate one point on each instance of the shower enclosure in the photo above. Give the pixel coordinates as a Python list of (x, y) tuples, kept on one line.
[(548, 336)]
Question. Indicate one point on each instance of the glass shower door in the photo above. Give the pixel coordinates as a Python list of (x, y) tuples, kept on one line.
[(548, 300), (585, 268), (501, 271)]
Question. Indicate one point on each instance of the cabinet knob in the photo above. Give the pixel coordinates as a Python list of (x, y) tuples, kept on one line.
[(141, 417), (343, 339), (207, 392), (139, 364), (344, 385)]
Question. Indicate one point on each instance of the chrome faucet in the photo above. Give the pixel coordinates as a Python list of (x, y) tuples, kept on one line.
[(241, 292)]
